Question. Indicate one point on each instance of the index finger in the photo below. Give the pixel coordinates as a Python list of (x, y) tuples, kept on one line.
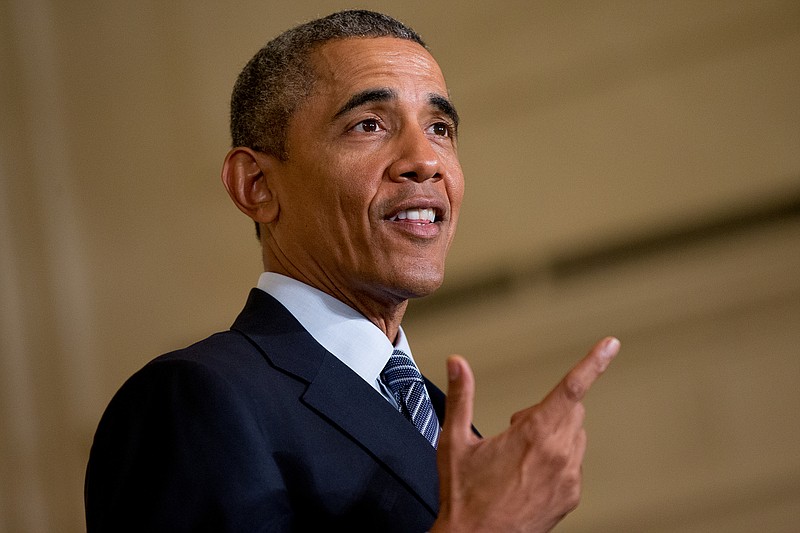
[(577, 382)]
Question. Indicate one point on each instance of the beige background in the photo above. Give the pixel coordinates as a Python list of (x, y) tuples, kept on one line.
[(633, 168)]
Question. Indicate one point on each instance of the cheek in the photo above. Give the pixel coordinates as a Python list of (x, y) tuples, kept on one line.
[(455, 191), (354, 182), (338, 206)]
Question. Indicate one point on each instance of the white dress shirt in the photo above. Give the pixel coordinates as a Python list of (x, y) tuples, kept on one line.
[(339, 328)]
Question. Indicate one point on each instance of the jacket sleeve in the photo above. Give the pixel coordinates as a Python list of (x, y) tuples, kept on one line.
[(179, 449)]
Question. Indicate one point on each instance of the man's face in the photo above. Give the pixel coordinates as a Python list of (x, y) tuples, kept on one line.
[(370, 193)]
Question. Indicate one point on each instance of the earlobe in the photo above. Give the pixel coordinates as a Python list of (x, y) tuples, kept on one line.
[(246, 176)]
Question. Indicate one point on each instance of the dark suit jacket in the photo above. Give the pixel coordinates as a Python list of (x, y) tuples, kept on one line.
[(258, 429)]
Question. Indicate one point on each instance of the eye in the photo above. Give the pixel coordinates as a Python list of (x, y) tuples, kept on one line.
[(442, 129), (369, 125)]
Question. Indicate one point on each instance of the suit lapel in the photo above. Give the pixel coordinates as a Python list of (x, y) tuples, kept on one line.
[(345, 399), (341, 397)]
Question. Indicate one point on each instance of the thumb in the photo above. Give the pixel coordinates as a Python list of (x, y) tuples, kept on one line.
[(460, 396)]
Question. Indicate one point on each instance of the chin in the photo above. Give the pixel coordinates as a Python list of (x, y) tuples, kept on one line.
[(421, 284)]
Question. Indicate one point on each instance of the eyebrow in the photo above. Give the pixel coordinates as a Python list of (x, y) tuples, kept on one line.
[(382, 95), (366, 97), (445, 106)]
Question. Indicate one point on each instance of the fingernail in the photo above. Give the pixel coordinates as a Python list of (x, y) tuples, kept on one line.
[(611, 346)]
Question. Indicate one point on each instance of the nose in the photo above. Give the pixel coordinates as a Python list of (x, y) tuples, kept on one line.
[(417, 159)]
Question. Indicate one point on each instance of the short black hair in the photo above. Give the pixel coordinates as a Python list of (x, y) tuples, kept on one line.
[(279, 77)]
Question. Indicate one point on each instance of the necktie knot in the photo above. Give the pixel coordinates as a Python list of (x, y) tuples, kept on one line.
[(403, 378)]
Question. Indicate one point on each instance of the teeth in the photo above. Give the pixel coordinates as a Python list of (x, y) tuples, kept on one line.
[(426, 215)]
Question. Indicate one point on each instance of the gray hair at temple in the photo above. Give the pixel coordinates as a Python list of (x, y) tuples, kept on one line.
[(276, 80)]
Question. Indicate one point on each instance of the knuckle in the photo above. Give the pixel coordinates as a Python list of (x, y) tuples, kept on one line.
[(530, 419), (557, 455), (537, 420), (558, 461), (571, 489), (561, 456), (537, 432), (573, 498), (575, 388)]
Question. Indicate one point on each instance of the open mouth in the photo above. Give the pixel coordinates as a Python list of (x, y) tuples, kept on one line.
[(422, 215)]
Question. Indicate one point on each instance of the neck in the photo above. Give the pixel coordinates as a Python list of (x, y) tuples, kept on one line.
[(385, 312), (386, 317)]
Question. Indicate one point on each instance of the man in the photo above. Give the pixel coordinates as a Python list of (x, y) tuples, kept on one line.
[(309, 413)]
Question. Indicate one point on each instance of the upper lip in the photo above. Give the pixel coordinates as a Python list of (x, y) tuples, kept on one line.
[(439, 207)]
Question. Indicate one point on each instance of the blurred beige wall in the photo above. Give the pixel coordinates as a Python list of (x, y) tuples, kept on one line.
[(633, 168)]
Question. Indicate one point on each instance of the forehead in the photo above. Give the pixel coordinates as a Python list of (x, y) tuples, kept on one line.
[(346, 66)]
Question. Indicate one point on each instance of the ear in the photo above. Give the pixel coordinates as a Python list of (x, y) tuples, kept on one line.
[(246, 176)]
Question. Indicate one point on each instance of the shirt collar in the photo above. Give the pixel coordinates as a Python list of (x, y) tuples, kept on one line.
[(339, 328)]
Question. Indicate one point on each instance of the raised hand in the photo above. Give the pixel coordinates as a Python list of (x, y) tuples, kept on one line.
[(526, 478)]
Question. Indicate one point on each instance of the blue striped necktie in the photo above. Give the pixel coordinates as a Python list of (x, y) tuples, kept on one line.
[(402, 377)]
